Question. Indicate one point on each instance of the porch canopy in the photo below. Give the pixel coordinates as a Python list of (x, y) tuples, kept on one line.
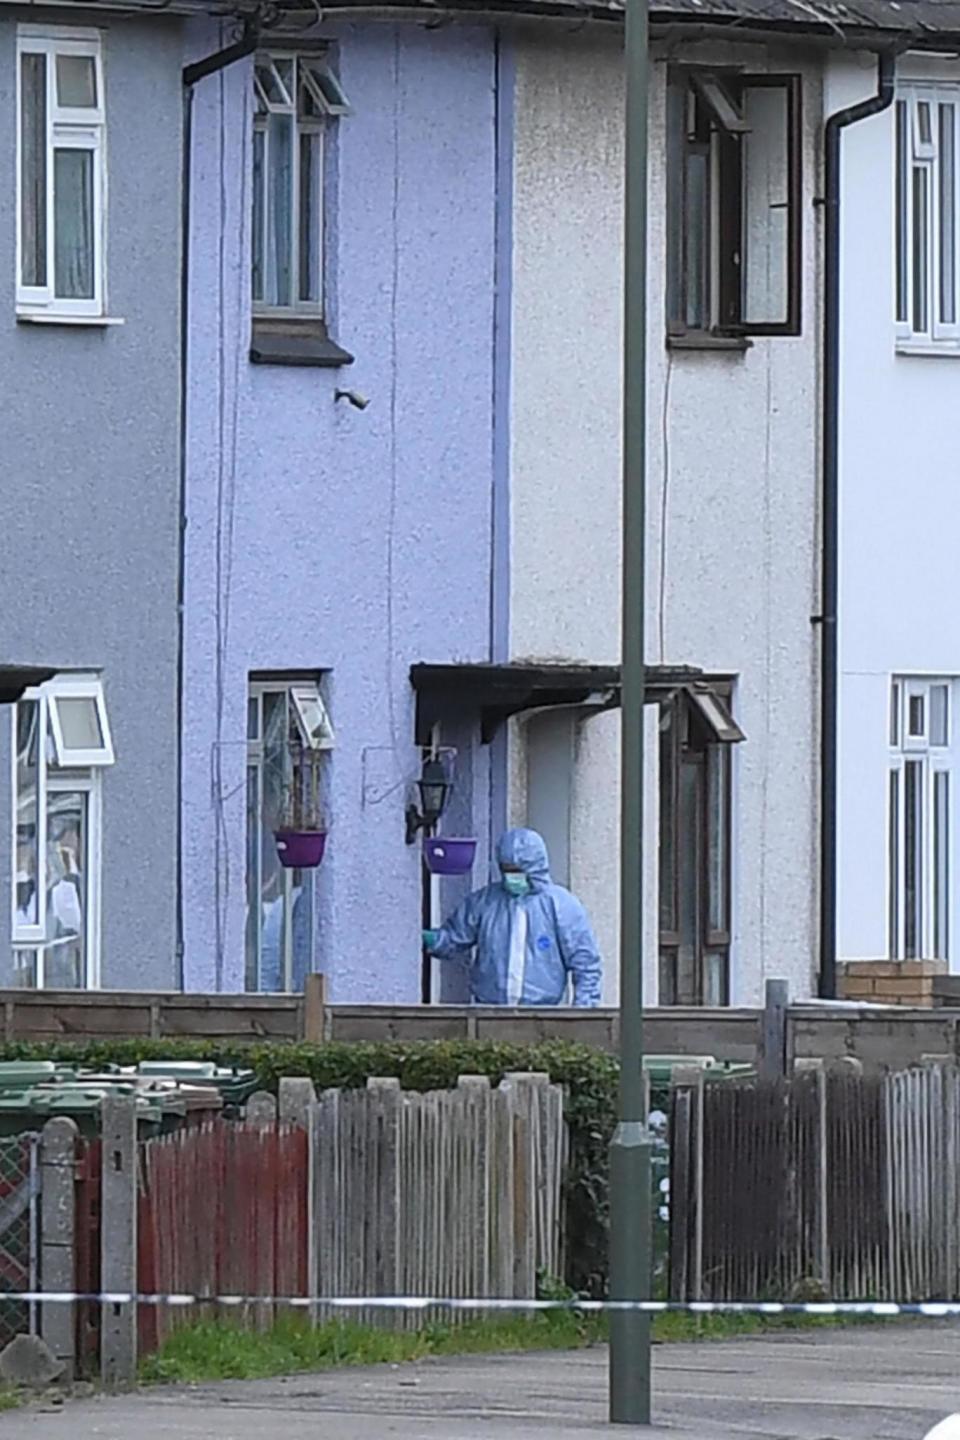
[(14, 679), (499, 691)]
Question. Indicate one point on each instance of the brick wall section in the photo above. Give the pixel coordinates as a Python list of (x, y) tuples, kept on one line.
[(890, 982)]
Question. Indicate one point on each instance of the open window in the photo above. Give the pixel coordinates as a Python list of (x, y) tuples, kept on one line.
[(714, 713), (312, 717), (733, 203), (295, 96), (78, 723)]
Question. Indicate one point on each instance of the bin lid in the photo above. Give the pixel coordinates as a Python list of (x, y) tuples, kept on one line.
[(16, 1074), (661, 1067), (183, 1069), (79, 1099), (170, 1091)]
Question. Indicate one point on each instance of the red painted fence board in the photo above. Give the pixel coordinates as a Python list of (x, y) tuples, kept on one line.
[(223, 1211)]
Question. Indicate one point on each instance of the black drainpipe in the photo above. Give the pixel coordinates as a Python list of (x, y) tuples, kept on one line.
[(829, 685), (191, 75)]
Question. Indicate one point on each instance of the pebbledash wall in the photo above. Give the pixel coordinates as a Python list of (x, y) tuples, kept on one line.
[(89, 466), (732, 502), (325, 538)]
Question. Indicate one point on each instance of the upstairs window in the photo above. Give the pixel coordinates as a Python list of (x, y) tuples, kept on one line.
[(295, 96), (733, 203), (927, 306), (60, 153)]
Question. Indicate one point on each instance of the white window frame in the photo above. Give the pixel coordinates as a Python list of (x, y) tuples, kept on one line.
[(19, 931), (53, 780), (307, 65), (257, 689), (309, 694), (925, 156), (64, 688), (68, 782), (67, 128), (933, 760)]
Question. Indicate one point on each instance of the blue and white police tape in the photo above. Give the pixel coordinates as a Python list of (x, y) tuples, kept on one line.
[(929, 1309)]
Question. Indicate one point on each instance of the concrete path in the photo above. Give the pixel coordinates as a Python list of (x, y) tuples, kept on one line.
[(888, 1383)]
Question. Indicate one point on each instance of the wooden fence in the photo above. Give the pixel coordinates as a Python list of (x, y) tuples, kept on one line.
[(375, 1192), (831, 1184), (222, 1211), (776, 1036), (448, 1193)]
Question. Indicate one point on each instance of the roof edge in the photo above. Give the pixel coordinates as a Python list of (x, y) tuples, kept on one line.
[(239, 10), (833, 28)]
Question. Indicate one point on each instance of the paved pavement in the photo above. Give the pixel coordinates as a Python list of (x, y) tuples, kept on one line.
[(888, 1383)]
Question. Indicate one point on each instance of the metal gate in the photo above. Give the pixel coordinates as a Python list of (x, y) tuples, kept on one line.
[(19, 1233)]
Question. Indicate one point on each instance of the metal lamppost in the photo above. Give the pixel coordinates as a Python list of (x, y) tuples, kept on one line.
[(630, 1260)]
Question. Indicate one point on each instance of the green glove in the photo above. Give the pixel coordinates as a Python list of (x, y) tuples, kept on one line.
[(430, 939)]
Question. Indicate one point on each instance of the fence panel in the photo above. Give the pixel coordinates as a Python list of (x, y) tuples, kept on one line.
[(19, 1233), (453, 1193), (831, 1184), (223, 1211), (449, 1193)]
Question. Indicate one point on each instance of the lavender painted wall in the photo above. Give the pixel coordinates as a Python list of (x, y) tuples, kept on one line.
[(305, 515)]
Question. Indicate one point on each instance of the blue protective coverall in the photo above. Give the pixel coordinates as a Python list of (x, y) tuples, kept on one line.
[(525, 947)]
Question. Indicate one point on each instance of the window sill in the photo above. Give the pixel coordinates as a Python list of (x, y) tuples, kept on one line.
[(296, 342), (702, 340), (935, 349), (96, 322)]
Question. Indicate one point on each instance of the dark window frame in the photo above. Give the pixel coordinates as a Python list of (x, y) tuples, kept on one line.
[(725, 238), (690, 743)]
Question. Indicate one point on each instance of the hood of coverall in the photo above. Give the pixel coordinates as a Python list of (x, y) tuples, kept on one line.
[(525, 850)]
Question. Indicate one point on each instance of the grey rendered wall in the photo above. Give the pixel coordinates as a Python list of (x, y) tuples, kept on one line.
[(732, 492), (88, 472)]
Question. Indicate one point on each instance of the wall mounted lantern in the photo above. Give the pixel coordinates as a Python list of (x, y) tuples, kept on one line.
[(434, 791)]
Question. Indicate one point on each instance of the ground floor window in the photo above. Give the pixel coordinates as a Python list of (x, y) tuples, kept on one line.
[(920, 818), (287, 721), (57, 833), (695, 766)]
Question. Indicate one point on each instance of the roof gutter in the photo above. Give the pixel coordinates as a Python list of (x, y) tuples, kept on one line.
[(665, 24), (192, 75), (829, 648)]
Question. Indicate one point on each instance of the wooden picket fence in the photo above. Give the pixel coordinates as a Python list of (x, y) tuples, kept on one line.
[(222, 1211), (449, 1193), (375, 1192), (830, 1184)]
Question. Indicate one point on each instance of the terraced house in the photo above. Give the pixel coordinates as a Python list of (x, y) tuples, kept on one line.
[(315, 420)]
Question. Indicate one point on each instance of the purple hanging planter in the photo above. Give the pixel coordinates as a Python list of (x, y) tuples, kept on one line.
[(449, 857), (300, 849)]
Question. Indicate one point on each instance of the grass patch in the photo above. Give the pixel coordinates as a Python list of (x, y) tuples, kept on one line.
[(677, 1325), (212, 1350), (222, 1350), (9, 1399)]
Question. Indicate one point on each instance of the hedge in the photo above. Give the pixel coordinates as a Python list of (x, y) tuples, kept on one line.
[(589, 1076)]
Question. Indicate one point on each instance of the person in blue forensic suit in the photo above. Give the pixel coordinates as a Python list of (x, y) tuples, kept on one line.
[(528, 936)]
